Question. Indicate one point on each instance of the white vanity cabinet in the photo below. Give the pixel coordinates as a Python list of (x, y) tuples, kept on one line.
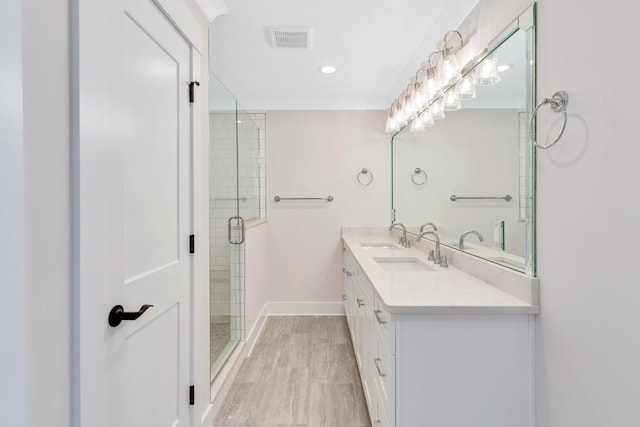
[(439, 367), (349, 270)]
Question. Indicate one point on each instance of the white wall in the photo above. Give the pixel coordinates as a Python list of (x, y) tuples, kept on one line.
[(47, 210), (317, 154), (588, 210), (13, 369)]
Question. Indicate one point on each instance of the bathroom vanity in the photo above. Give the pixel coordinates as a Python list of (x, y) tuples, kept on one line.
[(439, 346)]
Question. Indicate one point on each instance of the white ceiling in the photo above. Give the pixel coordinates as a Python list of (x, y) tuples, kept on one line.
[(376, 46)]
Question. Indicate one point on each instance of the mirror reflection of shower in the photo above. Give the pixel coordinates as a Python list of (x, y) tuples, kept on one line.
[(236, 189)]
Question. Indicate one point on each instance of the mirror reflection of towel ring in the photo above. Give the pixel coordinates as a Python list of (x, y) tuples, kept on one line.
[(417, 172), (365, 172)]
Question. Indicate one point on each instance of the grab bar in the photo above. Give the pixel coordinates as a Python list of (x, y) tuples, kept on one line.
[(278, 198), (506, 198)]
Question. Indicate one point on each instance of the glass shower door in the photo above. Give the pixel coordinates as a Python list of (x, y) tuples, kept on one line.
[(226, 252), (235, 195)]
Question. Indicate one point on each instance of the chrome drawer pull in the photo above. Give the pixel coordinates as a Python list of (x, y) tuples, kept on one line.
[(360, 302), (377, 313), (376, 362)]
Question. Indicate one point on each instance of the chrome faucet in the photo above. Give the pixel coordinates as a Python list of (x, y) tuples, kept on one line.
[(404, 242), (423, 226), (437, 258), (463, 235)]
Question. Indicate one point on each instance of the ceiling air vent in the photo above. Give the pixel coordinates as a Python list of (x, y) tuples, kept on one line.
[(290, 37)]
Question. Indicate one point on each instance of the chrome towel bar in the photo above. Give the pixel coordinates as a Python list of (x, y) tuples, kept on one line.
[(453, 198), (558, 103), (278, 198)]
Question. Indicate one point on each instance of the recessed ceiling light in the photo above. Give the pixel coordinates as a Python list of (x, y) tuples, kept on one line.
[(327, 69), (502, 68)]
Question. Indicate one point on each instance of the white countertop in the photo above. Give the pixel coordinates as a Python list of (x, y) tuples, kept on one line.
[(442, 291)]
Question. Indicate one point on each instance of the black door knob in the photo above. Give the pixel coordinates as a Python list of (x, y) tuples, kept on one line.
[(117, 314)]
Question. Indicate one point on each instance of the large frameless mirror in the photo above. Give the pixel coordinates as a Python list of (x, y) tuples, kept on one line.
[(471, 174)]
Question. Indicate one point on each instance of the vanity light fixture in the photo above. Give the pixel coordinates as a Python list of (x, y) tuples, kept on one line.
[(327, 69), (432, 85), (392, 122), (486, 74), (422, 122), (437, 110), (449, 70), (439, 86), (451, 100), (417, 126), (466, 88)]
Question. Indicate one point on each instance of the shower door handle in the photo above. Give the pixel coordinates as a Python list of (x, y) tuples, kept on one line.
[(241, 221)]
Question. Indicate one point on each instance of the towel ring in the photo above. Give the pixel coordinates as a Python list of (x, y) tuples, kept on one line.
[(365, 171), (419, 171), (558, 104)]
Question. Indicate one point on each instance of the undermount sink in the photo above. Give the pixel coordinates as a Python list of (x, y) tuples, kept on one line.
[(508, 262), (402, 264), (386, 246)]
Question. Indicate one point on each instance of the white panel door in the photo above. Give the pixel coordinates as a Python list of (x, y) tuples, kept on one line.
[(134, 211)]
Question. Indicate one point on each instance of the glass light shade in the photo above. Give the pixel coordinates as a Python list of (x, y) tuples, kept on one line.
[(431, 86), (467, 89), (451, 101), (410, 107), (486, 73), (449, 71), (427, 119), (401, 116), (392, 125), (437, 112), (417, 126), (418, 97)]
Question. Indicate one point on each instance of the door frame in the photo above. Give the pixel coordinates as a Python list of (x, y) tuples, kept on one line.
[(90, 103)]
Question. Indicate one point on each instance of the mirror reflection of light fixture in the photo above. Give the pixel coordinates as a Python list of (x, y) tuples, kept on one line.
[(437, 111), (466, 88), (451, 101), (422, 122), (449, 70), (486, 73), (417, 126)]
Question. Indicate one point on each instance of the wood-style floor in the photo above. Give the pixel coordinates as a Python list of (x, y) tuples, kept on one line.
[(302, 372)]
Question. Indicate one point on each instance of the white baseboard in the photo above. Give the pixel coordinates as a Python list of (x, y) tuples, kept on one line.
[(256, 330), (305, 308)]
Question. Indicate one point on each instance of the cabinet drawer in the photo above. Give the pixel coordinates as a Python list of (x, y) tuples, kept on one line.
[(383, 321), (379, 414), (366, 286), (384, 371)]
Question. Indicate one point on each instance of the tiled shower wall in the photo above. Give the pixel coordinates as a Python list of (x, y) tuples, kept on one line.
[(226, 260)]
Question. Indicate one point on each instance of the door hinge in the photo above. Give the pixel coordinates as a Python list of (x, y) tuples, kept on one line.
[(192, 244), (192, 96), (192, 395)]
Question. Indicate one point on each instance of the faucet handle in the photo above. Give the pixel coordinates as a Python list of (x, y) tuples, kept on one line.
[(443, 263), (431, 257)]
